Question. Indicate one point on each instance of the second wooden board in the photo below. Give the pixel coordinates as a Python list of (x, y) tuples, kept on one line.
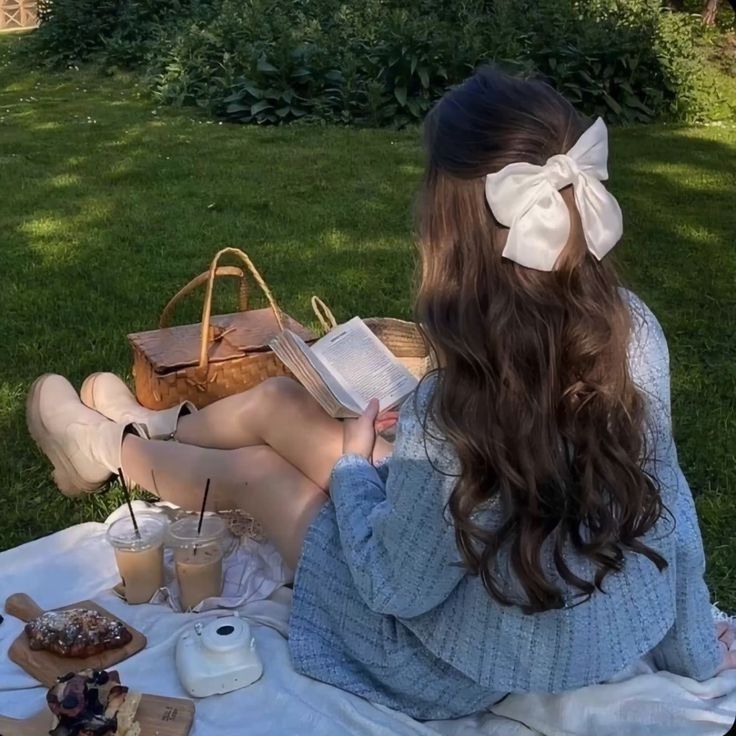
[(157, 716)]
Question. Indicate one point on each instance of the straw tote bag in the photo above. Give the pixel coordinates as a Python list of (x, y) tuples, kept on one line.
[(223, 355)]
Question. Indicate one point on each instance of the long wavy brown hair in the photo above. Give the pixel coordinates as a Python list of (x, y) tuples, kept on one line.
[(533, 390)]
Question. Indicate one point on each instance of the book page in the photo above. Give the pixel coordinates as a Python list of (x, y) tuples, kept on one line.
[(335, 386), (364, 367), (308, 376)]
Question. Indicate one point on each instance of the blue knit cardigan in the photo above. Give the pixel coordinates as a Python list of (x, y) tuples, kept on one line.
[(394, 537)]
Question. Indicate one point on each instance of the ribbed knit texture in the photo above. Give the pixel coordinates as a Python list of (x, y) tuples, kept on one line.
[(382, 609)]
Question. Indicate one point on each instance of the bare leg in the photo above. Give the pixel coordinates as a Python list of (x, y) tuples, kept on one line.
[(279, 413), (255, 479)]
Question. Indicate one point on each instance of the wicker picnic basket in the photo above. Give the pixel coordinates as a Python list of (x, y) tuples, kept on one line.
[(402, 338), (222, 355)]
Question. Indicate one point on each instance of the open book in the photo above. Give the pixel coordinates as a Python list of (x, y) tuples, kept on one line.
[(346, 368)]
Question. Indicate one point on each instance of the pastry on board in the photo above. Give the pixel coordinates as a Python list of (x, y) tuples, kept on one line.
[(76, 632)]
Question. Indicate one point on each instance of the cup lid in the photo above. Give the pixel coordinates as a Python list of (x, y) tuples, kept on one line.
[(183, 533), (151, 528)]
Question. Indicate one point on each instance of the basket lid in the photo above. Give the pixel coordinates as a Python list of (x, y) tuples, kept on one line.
[(231, 336)]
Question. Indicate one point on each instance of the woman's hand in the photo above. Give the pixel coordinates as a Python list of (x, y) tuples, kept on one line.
[(726, 637), (359, 435)]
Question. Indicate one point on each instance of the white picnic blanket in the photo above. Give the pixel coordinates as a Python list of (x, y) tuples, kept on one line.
[(77, 564)]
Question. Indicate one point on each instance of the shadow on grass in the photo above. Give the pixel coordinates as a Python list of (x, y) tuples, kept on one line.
[(109, 209), (680, 256)]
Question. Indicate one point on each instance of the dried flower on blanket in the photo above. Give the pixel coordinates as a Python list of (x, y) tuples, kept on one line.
[(242, 524)]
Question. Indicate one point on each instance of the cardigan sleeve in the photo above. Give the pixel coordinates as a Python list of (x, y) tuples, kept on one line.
[(690, 647), (399, 547)]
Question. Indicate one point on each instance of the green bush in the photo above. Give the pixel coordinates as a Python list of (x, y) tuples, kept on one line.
[(116, 32), (384, 62), (72, 32), (692, 91), (603, 58)]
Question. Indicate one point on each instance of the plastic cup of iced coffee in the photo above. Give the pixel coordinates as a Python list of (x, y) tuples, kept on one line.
[(198, 558), (139, 555)]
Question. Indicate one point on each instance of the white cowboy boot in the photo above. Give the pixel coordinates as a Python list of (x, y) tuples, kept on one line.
[(82, 445), (108, 394)]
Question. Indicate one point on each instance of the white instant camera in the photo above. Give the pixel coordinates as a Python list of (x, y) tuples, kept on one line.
[(217, 657)]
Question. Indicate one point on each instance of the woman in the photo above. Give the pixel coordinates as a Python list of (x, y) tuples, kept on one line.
[(531, 529)]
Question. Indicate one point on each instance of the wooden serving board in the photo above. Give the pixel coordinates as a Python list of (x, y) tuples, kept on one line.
[(158, 716), (47, 666)]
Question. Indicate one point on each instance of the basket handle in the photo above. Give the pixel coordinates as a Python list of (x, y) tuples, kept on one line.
[(197, 281), (207, 309), (324, 314)]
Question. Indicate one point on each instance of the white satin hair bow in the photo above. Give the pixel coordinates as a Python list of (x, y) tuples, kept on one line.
[(526, 199)]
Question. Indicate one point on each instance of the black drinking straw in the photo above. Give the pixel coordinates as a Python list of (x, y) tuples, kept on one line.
[(201, 513), (127, 500)]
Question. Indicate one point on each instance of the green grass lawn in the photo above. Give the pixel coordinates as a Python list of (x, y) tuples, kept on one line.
[(109, 204)]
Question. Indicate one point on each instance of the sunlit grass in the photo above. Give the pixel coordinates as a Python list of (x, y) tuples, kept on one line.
[(109, 204)]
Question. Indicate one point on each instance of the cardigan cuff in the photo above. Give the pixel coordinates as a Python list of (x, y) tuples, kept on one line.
[(349, 471), (350, 461)]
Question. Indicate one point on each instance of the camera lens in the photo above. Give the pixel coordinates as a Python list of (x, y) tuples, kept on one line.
[(225, 630)]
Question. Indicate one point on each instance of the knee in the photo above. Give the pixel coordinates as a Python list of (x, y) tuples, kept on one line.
[(281, 389)]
